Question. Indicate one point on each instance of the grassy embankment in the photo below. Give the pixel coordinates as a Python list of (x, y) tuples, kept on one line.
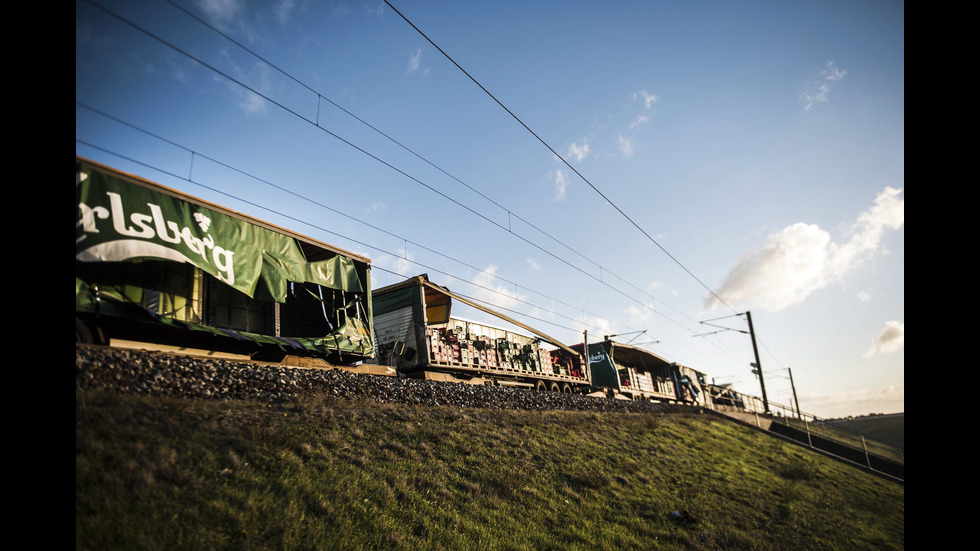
[(185, 474)]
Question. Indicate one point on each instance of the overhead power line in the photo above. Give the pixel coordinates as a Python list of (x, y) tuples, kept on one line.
[(389, 165), (288, 110), (572, 168), (190, 179), (420, 157)]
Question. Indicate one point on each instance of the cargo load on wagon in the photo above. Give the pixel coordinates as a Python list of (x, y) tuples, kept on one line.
[(418, 334), (637, 374)]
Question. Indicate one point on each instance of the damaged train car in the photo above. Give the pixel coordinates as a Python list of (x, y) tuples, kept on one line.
[(155, 265), (418, 335), (633, 373)]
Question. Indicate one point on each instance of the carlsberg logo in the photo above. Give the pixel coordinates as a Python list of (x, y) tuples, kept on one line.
[(151, 226)]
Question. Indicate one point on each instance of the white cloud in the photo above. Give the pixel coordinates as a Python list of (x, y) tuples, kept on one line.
[(639, 316), (221, 12), (626, 146), (827, 76), (252, 102), (558, 179), (891, 339), (401, 265), (596, 326), (832, 73), (890, 399), (801, 258), (864, 296), (640, 119), (648, 99), (258, 79), (533, 264), (413, 62), (579, 152), (491, 290), (284, 10)]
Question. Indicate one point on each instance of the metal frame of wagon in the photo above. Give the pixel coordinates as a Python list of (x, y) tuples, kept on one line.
[(414, 317)]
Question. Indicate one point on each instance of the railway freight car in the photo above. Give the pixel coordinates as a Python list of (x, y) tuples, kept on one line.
[(418, 335), (726, 398), (154, 265), (625, 371)]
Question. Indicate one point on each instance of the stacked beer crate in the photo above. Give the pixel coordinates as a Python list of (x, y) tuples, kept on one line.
[(467, 351), (631, 378), (495, 357), (515, 356), (512, 355), (562, 365), (530, 359), (470, 344), (544, 360), (471, 349), (645, 382), (505, 353), (485, 353), (443, 345)]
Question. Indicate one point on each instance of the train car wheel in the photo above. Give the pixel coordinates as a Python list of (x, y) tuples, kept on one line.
[(541, 387), (84, 334), (567, 389), (554, 387)]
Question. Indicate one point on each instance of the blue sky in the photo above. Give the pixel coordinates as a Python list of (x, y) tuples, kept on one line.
[(682, 153)]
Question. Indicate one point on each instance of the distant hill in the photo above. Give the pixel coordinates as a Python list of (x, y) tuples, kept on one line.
[(890, 427)]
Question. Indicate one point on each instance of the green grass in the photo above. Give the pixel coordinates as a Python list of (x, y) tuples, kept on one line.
[(155, 473)]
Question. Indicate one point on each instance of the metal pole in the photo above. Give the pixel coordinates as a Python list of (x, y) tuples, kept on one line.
[(758, 364), (795, 399), (586, 359)]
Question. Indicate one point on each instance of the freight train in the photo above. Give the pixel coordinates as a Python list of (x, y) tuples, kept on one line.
[(154, 265)]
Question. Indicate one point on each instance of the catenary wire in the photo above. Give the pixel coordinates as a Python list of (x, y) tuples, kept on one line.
[(382, 161), (195, 154), (413, 152), (573, 169), (191, 180), (274, 102)]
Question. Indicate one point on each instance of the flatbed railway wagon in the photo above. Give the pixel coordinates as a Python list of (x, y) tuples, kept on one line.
[(154, 265), (629, 372), (418, 335)]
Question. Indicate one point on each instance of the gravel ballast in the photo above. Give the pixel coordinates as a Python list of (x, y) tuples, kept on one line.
[(163, 374)]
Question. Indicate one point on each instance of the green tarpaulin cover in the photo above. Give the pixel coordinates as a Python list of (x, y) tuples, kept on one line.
[(604, 372), (121, 221)]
